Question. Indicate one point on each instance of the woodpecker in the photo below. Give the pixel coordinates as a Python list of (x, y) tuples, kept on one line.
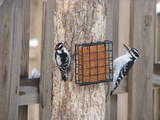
[(63, 58), (121, 67)]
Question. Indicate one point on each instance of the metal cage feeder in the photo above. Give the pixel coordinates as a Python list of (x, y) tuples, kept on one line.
[(94, 63)]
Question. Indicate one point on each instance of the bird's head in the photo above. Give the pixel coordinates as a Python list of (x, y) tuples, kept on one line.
[(59, 48), (132, 51)]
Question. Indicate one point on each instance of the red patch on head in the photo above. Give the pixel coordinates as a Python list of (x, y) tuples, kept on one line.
[(56, 48)]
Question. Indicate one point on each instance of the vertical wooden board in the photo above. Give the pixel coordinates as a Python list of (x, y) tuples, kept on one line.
[(157, 41), (35, 53), (23, 110), (112, 34), (142, 28), (113, 107), (25, 39), (23, 113), (124, 24), (11, 17), (115, 29), (35, 33), (46, 61), (156, 93), (113, 24)]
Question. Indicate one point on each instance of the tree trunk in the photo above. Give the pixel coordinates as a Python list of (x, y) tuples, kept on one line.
[(78, 21)]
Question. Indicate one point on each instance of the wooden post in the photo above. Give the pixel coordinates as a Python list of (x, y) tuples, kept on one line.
[(115, 35), (23, 110), (157, 41), (78, 21), (11, 23), (156, 94), (142, 29), (25, 39), (112, 34), (46, 64)]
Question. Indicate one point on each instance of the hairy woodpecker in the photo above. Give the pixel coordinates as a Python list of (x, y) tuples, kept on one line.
[(63, 58), (121, 67)]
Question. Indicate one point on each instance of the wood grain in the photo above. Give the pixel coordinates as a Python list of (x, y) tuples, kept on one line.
[(142, 28), (156, 113), (33, 82), (113, 106), (112, 34), (156, 81), (11, 24), (157, 68), (157, 42), (28, 91), (28, 95), (23, 110), (25, 39), (122, 88), (46, 64), (78, 21)]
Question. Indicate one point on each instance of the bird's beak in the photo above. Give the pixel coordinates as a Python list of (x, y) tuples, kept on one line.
[(127, 48), (56, 48), (64, 42)]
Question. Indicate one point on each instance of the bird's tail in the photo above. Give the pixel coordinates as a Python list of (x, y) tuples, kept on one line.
[(64, 76), (108, 97), (110, 92)]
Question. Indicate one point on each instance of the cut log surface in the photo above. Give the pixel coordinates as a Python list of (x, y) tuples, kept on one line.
[(78, 22)]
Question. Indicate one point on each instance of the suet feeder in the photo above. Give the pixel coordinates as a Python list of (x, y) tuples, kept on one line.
[(93, 62)]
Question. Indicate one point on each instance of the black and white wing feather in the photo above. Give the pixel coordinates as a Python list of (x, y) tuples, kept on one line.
[(63, 62), (123, 72), (121, 67)]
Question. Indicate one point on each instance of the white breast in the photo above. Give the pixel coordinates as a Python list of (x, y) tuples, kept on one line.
[(59, 60), (118, 63), (67, 54)]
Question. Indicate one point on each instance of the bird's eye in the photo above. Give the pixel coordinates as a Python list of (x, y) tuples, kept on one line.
[(136, 53)]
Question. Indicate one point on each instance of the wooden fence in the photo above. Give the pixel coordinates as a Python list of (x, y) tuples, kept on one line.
[(17, 91)]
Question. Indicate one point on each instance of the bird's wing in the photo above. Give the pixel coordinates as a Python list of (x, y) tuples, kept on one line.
[(123, 72), (125, 69), (65, 61)]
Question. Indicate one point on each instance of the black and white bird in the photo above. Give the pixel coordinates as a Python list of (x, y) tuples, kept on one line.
[(121, 67), (63, 58)]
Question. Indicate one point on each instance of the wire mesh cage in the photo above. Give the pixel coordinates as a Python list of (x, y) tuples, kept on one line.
[(93, 62)]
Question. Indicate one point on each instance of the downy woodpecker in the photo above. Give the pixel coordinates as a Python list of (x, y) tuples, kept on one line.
[(121, 67), (63, 58)]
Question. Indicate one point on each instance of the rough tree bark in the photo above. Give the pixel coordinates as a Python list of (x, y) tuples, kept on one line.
[(78, 21)]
